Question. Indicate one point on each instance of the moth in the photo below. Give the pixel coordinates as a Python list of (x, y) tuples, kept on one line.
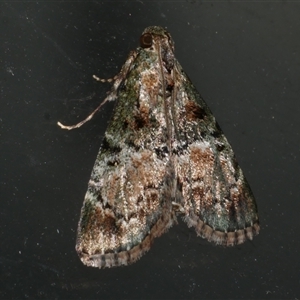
[(163, 155)]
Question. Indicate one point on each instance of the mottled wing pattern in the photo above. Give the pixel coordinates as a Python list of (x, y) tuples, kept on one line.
[(163, 154), (216, 197), (129, 200)]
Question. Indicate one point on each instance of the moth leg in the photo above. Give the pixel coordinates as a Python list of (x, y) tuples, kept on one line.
[(113, 93), (103, 80)]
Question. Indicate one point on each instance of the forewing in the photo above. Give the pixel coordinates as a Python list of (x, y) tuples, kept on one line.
[(216, 197), (128, 202)]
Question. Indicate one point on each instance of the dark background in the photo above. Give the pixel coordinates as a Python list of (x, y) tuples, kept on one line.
[(243, 57)]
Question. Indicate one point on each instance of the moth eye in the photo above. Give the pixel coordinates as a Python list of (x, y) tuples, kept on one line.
[(146, 40)]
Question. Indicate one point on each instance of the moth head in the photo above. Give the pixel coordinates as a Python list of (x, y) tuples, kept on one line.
[(154, 34), (157, 39)]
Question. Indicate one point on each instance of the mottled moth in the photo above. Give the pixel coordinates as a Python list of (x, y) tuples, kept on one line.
[(163, 155)]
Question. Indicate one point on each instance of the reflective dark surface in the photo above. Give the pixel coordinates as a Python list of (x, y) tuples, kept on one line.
[(244, 60)]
